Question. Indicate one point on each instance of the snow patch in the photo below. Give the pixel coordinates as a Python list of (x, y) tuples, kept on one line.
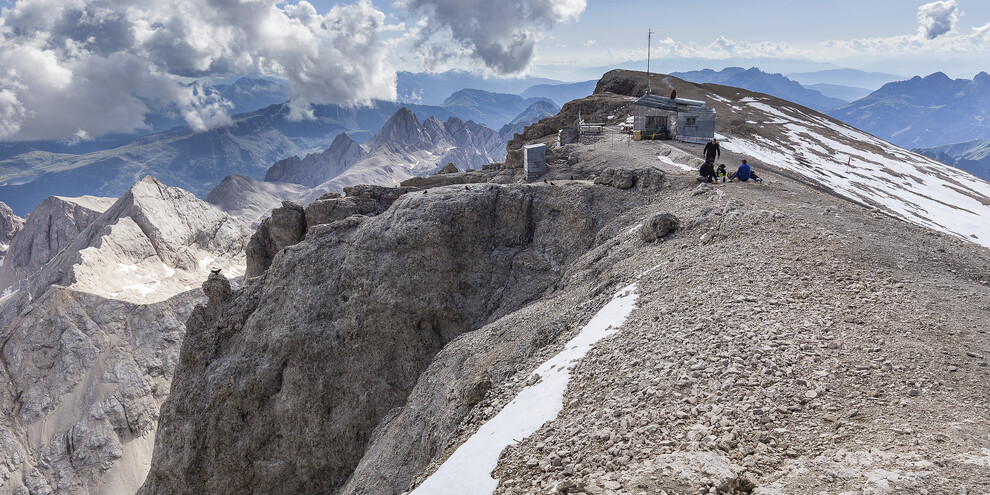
[(668, 161), (468, 470), (204, 264), (143, 289), (871, 171), (126, 268)]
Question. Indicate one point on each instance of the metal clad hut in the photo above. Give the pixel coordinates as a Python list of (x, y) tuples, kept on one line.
[(663, 118)]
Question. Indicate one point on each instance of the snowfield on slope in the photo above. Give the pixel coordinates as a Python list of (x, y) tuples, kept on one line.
[(468, 470), (909, 186)]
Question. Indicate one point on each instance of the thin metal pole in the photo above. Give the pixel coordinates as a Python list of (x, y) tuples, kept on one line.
[(649, 46)]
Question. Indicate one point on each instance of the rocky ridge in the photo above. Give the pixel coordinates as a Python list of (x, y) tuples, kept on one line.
[(432, 266), (90, 341), (317, 168), (402, 149), (49, 228), (10, 224)]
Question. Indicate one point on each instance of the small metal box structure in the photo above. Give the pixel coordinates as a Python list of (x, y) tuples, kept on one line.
[(658, 117), (535, 160)]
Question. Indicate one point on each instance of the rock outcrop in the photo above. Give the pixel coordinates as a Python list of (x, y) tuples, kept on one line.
[(9, 224), (91, 340), (48, 230), (281, 386)]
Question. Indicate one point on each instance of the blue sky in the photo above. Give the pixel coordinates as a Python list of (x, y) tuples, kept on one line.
[(608, 32)]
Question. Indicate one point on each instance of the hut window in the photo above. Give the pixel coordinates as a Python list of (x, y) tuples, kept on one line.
[(692, 121)]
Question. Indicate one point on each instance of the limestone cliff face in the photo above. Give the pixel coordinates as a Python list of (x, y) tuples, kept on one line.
[(89, 344), (9, 225), (49, 228), (154, 242), (281, 385)]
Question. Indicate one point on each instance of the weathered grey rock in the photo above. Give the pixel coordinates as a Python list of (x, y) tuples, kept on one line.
[(285, 227), (359, 200), (473, 177), (281, 391), (618, 178), (217, 288), (645, 179), (693, 472), (9, 225), (91, 342), (449, 168), (49, 229), (658, 226)]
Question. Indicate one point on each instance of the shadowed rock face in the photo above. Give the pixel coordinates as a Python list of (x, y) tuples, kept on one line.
[(9, 224), (49, 228), (317, 168), (280, 386)]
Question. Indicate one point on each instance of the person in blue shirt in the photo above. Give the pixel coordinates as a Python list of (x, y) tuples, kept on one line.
[(743, 173)]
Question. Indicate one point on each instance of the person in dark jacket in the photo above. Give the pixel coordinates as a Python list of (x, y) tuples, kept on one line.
[(707, 171), (712, 150), (743, 173), (673, 94)]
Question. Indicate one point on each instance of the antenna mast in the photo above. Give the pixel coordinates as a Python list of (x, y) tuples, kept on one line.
[(649, 45)]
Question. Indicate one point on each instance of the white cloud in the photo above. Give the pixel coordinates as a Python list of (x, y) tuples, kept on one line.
[(937, 18), (502, 35), (88, 67), (590, 43)]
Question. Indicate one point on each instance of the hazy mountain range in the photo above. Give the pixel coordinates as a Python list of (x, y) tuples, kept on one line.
[(924, 111), (754, 79), (920, 112), (198, 161), (971, 156)]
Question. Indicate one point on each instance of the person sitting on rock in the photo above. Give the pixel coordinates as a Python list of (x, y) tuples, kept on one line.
[(721, 173), (707, 172), (742, 173)]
